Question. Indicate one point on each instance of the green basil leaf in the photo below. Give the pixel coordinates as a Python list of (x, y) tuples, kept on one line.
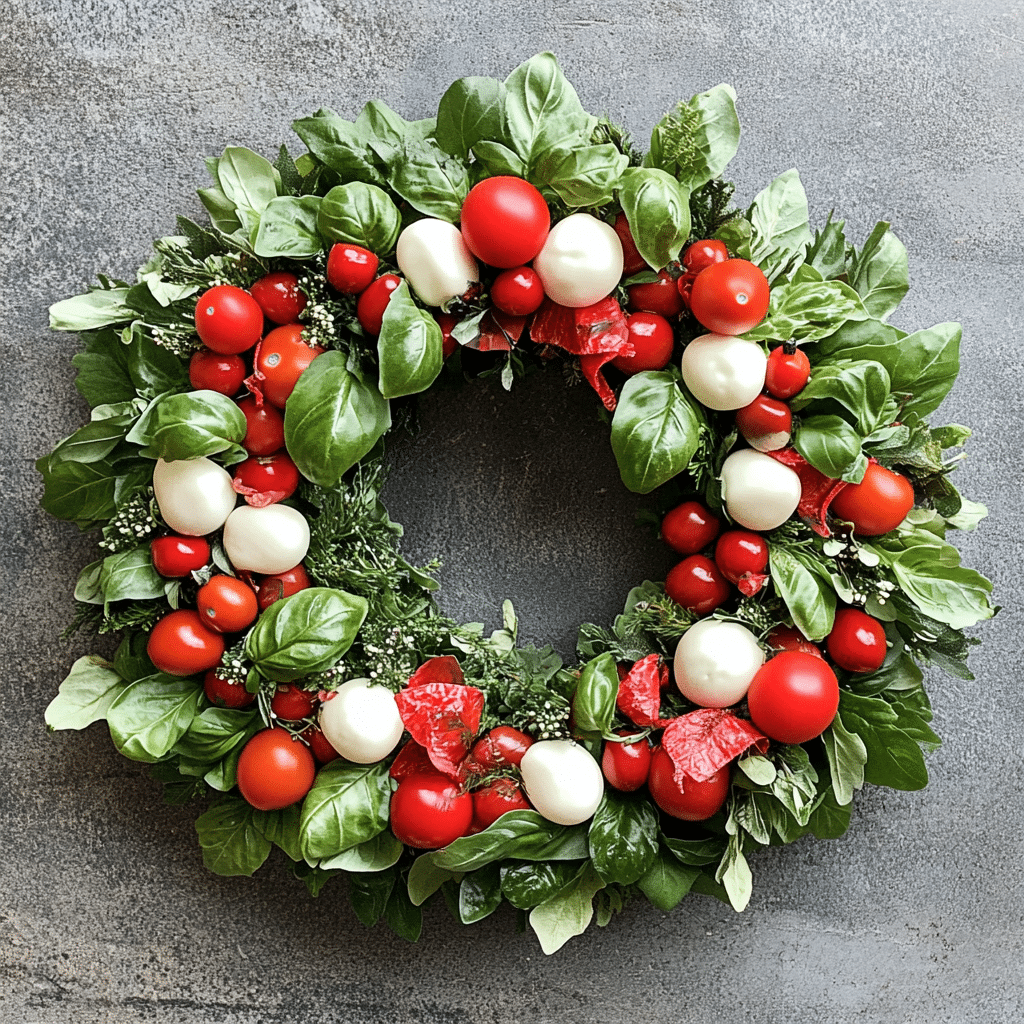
[(148, 717), (480, 894), (894, 759), (795, 782), (281, 828), (101, 308), (430, 180), (216, 732), (247, 179), (402, 916), (425, 878), (81, 492), (860, 339), (103, 375), (376, 854), (189, 426), (734, 874), (154, 370), (805, 588), (831, 446), (131, 659), (666, 881), (91, 443), (657, 208), (936, 582), (288, 227), (87, 587), (695, 852), (582, 175), (339, 144), (232, 845), (220, 208), (879, 272), (526, 885), (861, 386), (847, 756), (369, 894), (497, 158), (85, 695), (594, 701), (827, 253), (129, 575), (409, 346), (780, 224), (362, 215), (623, 837), (926, 367), (470, 111), (807, 311), (385, 130), (830, 819), (566, 915), (347, 806)]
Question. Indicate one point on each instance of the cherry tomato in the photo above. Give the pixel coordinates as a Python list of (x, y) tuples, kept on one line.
[(280, 297), (228, 319), (494, 799), (176, 557), (625, 765), (501, 747), (731, 297), (652, 340), (766, 423), (697, 585), (282, 584), (226, 693), (685, 285), (211, 371), (374, 300), (689, 528), (787, 372), (181, 645), (518, 292), (700, 255), (227, 604), (292, 703), (264, 427), (857, 641), (319, 744), (878, 504), (632, 261), (695, 801), (268, 474), (447, 322), (789, 638), (661, 296), (739, 552), (793, 697), (351, 268), (283, 359), (275, 770), (429, 811), (505, 221)]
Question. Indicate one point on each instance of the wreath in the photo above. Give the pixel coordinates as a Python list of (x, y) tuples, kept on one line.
[(279, 655)]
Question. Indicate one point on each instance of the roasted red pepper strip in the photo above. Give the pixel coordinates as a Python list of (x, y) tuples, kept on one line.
[(639, 696), (445, 669), (444, 718), (817, 491), (704, 741)]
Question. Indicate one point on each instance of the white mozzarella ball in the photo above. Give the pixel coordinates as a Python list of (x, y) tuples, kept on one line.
[(194, 496), (437, 263), (266, 540), (581, 261), (723, 372), (564, 783), (361, 721), (715, 662), (759, 493)]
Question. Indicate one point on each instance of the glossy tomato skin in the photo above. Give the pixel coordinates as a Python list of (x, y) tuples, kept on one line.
[(429, 811), (878, 504), (227, 604), (264, 427), (731, 297), (789, 638), (226, 693), (494, 799), (292, 703), (739, 552), (283, 359), (793, 697), (689, 528), (279, 296), (181, 645), (176, 557), (501, 747), (518, 291), (787, 373), (282, 584), (857, 641), (228, 319), (319, 744), (351, 268), (696, 801), (697, 584), (661, 297), (505, 221), (632, 261), (374, 300), (766, 423), (700, 255), (268, 473), (211, 371), (625, 765), (275, 770), (652, 340)]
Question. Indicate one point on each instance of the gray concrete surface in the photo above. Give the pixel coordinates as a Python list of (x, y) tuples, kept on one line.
[(909, 111)]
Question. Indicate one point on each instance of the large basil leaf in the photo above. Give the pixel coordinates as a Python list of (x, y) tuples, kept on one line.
[(216, 732), (305, 633), (862, 386), (832, 446), (191, 425), (332, 419), (526, 885), (129, 575), (893, 757), (879, 272), (470, 111), (247, 179), (807, 311), (100, 308), (926, 366), (231, 842), (430, 180), (623, 837), (154, 370), (568, 914), (658, 210), (362, 215), (666, 881), (85, 695), (780, 224), (93, 442), (376, 854), (339, 144), (497, 158), (370, 893), (480, 894), (582, 175), (655, 430), (81, 492), (103, 375), (847, 756), (805, 588), (593, 703), (281, 827), (410, 347), (347, 806), (827, 253), (288, 227), (148, 717)]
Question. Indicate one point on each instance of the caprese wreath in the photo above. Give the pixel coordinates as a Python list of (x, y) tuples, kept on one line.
[(279, 653)]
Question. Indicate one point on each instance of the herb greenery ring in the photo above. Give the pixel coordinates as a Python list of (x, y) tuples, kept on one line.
[(242, 389)]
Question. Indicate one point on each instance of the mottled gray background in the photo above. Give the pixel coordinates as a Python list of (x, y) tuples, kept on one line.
[(909, 111)]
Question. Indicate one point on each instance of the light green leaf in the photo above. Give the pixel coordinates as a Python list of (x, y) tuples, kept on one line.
[(409, 346), (347, 806), (847, 756), (91, 311), (148, 717), (288, 227), (247, 179), (567, 915), (85, 695)]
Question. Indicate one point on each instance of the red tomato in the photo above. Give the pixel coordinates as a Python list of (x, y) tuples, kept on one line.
[(176, 557), (374, 300), (878, 504), (351, 268), (689, 528), (275, 770), (661, 296), (494, 799), (695, 801), (267, 474), (730, 297), (505, 221), (789, 638), (739, 552), (625, 765), (700, 255), (857, 641), (227, 605), (685, 285), (181, 645), (282, 584), (766, 423), (787, 372), (697, 585), (264, 427), (501, 747), (319, 744), (632, 261), (228, 319), (793, 697), (447, 322), (280, 297), (292, 703), (652, 340), (283, 359), (211, 371), (226, 693), (429, 811), (518, 292)]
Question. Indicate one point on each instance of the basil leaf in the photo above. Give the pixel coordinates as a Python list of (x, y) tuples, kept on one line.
[(847, 756), (527, 885), (305, 633), (830, 820), (281, 828), (593, 703), (831, 446), (623, 837), (666, 881), (191, 425), (409, 346), (103, 370), (894, 759), (362, 215), (780, 224), (425, 878), (695, 852), (655, 430), (926, 366), (497, 158), (376, 854), (861, 339), (220, 208), (861, 386), (805, 588), (470, 111), (247, 179), (936, 582), (148, 717), (100, 308), (232, 845), (91, 443), (154, 370), (430, 180), (827, 253), (216, 732), (85, 695), (734, 874), (332, 419), (129, 575), (807, 311), (347, 806), (131, 659), (582, 175), (879, 272), (369, 894), (402, 917), (566, 915), (288, 227), (338, 144), (82, 492), (480, 894), (658, 210)]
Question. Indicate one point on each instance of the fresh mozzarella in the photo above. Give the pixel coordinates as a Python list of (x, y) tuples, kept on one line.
[(581, 261), (715, 662), (361, 721), (266, 540), (723, 372), (759, 493), (564, 783), (436, 261), (194, 496)]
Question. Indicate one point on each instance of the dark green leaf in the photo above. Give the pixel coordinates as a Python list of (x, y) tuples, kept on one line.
[(657, 208), (527, 885), (103, 375), (480, 894), (623, 837), (370, 894), (830, 819), (347, 805), (666, 881), (130, 576), (594, 701), (232, 845), (281, 828), (82, 492), (339, 144), (806, 589), (410, 347), (91, 443), (893, 758), (861, 386), (402, 916), (430, 180), (695, 852), (831, 446), (827, 253), (149, 716), (376, 854), (361, 214), (216, 732), (582, 175)]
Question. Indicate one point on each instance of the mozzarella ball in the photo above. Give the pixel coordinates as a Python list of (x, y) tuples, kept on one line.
[(564, 783), (581, 261), (266, 540), (436, 261), (194, 496), (759, 493), (361, 721), (715, 662), (724, 372)]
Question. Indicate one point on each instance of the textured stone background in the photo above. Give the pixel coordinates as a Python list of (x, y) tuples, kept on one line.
[(911, 112)]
